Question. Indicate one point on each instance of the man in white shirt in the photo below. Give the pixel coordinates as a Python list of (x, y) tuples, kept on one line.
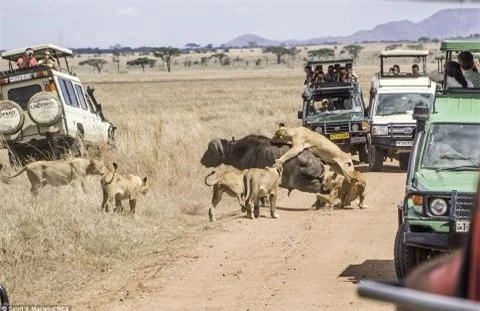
[(465, 59)]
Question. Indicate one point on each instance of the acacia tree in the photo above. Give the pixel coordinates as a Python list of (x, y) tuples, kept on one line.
[(321, 53), (95, 63), (142, 62), (222, 58), (353, 50), (279, 51), (166, 54)]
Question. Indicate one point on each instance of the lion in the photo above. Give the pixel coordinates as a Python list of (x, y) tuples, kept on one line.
[(230, 182), (301, 138), (59, 172), (343, 190), (261, 183), (117, 187)]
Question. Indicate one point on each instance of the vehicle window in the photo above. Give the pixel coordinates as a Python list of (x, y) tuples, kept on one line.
[(68, 93), (334, 105), (450, 145), (80, 96), (22, 95), (401, 103)]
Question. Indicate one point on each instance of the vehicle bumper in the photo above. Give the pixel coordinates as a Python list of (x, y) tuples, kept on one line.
[(434, 240), (399, 144)]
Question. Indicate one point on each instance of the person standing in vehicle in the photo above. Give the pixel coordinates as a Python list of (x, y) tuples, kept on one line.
[(308, 75), (455, 76), (415, 70), (465, 59), (27, 60), (47, 61)]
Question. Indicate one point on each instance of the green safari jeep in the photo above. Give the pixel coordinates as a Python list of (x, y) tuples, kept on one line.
[(442, 175)]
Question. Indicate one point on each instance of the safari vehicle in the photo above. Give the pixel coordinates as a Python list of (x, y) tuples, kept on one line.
[(44, 112), (435, 214), (393, 97), (337, 110)]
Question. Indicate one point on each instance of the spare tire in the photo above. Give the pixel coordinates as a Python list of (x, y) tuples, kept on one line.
[(44, 108), (11, 117)]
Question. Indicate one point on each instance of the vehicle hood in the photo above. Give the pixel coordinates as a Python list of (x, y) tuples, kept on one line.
[(395, 118), (345, 116), (461, 181)]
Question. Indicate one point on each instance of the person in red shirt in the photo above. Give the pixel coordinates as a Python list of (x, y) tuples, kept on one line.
[(27, 60)]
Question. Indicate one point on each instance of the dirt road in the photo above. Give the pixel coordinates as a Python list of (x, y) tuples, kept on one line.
[(305, 260)]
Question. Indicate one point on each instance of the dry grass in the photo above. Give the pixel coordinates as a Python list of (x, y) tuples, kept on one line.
[(53, 245)]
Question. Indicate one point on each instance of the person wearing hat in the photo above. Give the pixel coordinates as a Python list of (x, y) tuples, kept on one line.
[(27, 60), (47, 61)]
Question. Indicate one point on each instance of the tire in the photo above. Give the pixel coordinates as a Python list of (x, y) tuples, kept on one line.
[(77, 149), (406, 258), (404, 158), (44, 109), (403, 256), (363, 154), (375, 159), (11, 117)]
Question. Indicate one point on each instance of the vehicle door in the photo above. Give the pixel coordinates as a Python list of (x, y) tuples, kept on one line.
[(76, 114), (97, 130)]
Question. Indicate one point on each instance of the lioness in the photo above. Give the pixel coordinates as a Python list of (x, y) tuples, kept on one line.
[(230, 182), (343, 190), (261, 183), (117, 187), (301, 138), (59, 172)]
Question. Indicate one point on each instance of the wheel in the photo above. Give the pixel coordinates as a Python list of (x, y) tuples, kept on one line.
[(363, 154), (375, 159), (407, 257), (404, 158), (77, 149)]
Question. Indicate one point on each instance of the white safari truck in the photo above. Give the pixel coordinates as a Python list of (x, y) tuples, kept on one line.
[(393, 96), (44, 112)]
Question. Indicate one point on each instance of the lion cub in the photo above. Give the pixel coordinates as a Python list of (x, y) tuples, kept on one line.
[(117, 187), (344, 190), (261, 183)]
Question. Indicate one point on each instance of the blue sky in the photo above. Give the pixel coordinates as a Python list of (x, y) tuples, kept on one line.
[(175, 23)]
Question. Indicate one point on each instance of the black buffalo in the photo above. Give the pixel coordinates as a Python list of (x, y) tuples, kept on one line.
[(304, 172)]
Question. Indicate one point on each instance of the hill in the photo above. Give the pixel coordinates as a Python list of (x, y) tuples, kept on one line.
[(443, 24)]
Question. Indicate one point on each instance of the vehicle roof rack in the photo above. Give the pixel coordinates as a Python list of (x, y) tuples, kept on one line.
[(460, 45), (330, 61), (404, 53), (57, 51)]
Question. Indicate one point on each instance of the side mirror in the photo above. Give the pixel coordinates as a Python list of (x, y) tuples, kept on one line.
[(421, 113), (300, 114)]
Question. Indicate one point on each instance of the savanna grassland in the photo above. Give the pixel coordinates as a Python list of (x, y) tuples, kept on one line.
[(60, 242)]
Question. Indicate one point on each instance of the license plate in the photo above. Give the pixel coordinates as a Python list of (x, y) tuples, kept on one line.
[(462, 225), (403, 143), (339, 136)]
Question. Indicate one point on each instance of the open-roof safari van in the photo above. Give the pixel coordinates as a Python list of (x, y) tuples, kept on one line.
[(44, 112), (442, 174), (393, 96)]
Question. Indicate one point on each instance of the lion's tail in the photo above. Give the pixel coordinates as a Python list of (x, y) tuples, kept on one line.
[(14, 175), (206, 179)]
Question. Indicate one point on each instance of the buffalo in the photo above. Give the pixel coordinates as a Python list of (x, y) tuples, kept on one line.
[(304, 172)]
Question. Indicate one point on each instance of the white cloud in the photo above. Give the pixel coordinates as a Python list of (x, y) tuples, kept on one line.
[(128, 12)]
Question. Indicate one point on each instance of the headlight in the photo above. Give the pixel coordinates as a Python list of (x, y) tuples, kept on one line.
[(319, 130), (379, 130), (364, 126), (355, 127), (438, 207)]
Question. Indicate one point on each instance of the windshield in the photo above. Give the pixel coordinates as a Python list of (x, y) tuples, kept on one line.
[(401, 103), (333, 105), (452, 146)]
